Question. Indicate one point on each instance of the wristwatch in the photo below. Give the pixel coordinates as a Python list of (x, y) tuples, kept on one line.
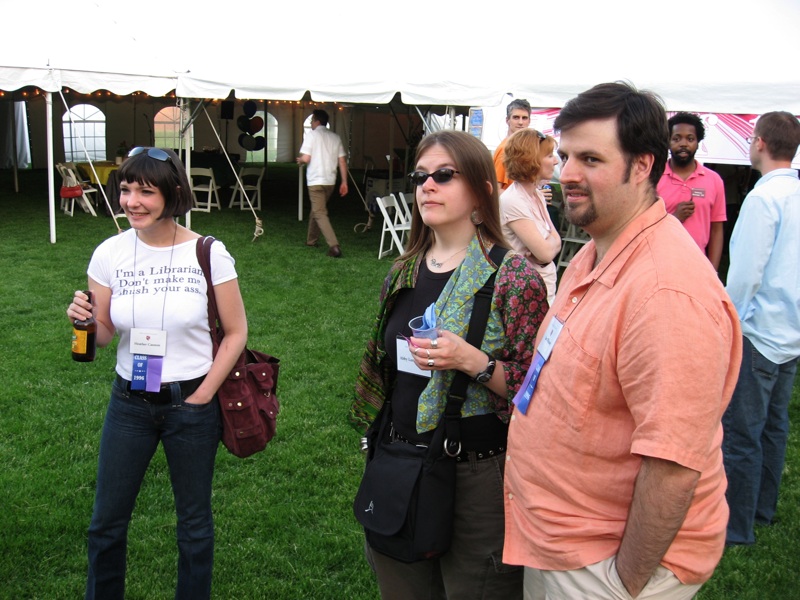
[(486, 374)]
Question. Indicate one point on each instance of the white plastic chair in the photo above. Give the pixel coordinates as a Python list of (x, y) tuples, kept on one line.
[(206, 184), (251, 182), (70, 179), (395, 224), (406, 205)]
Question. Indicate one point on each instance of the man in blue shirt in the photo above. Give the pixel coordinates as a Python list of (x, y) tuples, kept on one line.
[(764, 284)]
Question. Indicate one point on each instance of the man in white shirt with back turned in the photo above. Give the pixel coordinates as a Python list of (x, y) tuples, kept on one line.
[(764, 284)]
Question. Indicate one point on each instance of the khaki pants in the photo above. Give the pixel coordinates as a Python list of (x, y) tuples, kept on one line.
[(600, 581), (318, 221)]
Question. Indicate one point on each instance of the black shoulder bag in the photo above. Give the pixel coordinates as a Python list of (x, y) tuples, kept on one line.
[(407, 494)]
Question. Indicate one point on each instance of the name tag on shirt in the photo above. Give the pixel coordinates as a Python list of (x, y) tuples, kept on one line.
[(148, 341), (549, 338), (698, 193), (523, 398), (405, 360)]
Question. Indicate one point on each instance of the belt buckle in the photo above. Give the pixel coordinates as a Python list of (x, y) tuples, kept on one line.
[(164, 396)]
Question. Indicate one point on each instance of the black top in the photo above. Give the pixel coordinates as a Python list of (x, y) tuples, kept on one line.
[(479, 432)]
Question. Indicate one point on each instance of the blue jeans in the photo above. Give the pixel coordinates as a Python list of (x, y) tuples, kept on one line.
[(131, 433), (756, 426)]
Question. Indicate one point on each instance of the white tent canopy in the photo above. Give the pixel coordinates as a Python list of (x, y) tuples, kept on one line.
[(720, 56), (701, 56)]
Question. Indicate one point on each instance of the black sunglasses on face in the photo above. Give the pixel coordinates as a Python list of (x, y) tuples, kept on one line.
[(439, 176), (156, 153)]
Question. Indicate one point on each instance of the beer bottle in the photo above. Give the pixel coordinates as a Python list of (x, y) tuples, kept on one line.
[(84, 337)]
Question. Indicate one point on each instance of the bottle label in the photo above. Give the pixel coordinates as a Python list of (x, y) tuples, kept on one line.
[(79, 339)]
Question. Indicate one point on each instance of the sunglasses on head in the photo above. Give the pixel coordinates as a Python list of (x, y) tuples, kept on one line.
[(540, 135), (439, 176), (156, 153)]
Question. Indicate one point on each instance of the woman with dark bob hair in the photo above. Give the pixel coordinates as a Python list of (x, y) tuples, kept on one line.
[(148, 287), (455, 225), (530, 162)]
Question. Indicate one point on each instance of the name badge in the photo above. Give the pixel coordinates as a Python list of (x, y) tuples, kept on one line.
[(146, 372), (405, 360), (698, 193), (549, 338), (523, 398), (148, 341)]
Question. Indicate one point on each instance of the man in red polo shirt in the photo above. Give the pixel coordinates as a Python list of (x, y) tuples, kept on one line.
[(692, 192)]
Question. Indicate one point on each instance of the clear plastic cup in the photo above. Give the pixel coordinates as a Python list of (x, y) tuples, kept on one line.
[(417, 323)]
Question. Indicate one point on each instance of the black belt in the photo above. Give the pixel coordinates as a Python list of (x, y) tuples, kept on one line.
[(480, 454), (164, 395), (486, 450)]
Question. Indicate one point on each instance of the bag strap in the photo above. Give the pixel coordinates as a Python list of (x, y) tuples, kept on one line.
[(204, 259), (475, 332)]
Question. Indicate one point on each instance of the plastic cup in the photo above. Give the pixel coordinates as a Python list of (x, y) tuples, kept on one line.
[(416, 325)]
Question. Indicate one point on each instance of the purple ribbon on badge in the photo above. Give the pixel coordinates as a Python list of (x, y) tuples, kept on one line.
[(523, 397), (146, 373), (154, 366)]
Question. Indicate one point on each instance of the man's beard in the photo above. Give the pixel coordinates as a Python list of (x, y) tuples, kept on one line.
[(582, 219), (683, 161)]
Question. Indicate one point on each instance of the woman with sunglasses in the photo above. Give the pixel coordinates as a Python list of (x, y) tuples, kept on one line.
[(148, 287), (454, 226), (529, 162)]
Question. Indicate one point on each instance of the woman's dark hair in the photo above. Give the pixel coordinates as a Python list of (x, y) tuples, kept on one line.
[(169, 176), (524, 152), (473, 161), (641, 121)]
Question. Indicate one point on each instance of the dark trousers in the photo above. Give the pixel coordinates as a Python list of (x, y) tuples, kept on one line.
[(473, 567), (756, 426)]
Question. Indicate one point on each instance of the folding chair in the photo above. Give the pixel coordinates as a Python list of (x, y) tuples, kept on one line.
[(395, 225), (70, 179), (406, 205), (251, 182), (206, 184)]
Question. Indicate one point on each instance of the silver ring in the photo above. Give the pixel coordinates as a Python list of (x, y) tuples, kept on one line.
[(431, 362), (415, 351), (434, 343), (429, 352)]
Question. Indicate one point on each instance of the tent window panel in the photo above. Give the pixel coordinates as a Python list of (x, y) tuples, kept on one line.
[(167, 128), (270, 138), (86, 129)]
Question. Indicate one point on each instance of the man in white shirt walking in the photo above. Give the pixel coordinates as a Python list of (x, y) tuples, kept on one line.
[(321, 151)]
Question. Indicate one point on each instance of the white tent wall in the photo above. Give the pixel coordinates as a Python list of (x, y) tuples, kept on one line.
[(130, 119), (14, 136)]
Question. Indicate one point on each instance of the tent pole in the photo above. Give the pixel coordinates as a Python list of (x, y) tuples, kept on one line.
[(302, 166), (51, 167), (300, 192), (187, 143)]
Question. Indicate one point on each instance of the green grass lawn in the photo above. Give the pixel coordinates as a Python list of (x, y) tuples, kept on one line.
[(284, 523)]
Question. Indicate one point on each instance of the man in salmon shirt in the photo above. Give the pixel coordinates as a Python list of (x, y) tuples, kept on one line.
[(615, 486)]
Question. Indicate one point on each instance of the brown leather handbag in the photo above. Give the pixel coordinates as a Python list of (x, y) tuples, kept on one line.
[(247, 397)]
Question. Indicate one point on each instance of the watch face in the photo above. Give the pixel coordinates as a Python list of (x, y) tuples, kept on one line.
[(486, 375)]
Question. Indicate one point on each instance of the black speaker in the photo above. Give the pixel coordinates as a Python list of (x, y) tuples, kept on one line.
[(226, 109)]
